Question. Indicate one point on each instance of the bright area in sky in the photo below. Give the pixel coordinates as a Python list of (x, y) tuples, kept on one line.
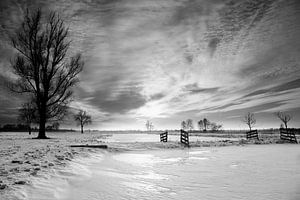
[(167, 61)]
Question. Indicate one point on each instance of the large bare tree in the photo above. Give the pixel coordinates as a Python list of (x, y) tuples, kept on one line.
[(82, 119), (249, 120), (285, 118), (44, 69)]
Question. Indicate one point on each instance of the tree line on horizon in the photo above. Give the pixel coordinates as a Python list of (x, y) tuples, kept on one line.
[(203, 125), (28, 117), (249, 118), (21, 127)]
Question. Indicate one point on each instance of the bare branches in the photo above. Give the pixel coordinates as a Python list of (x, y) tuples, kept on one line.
[(149, 125), (189, 124), (28, 115), (42, 64), (183, 125), (206, 123), (82, 119), (285, 118), (200, 124), (249, 120)]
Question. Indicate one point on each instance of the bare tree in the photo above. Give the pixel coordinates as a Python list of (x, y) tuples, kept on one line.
[(82, 119), (183, 125), (285, 118), (149, 126), (200, 124), (45, 71), (55, 126), (216, 127), (27, 114), (189, 124), (206, 123), (249, 120)]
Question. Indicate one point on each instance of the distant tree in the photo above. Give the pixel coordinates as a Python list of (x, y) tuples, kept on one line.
[(205, 124), (9, 127), (200, 124), (216, 127), (149, 125), (249, 120), (281, 126), (55, 126), (49, 128), (82, 119), (183, 125), (285, 118), (27, 114), (43, 66), (189, 124)]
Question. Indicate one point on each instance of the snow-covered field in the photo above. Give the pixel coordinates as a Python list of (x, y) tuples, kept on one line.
[(258, 172), (129, 138), (138, 166)]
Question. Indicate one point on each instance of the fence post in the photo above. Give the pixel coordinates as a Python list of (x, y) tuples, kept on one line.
[(288, 134), (252, 134), (184, 138), (164, 137)]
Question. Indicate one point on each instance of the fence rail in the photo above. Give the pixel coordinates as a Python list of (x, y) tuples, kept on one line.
[(288, 134), (252, 134), (164, 137), (184, 138)]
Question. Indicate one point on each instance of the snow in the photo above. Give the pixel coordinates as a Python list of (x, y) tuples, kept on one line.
[(138, 166), (236, 172)]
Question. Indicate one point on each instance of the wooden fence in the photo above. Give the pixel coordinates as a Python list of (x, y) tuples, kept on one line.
[(252, 134), (288, 134), (184, 138), (164, 137)]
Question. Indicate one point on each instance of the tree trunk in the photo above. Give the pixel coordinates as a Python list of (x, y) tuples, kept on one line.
[(29, 130), (81, 129), (286, 127), (42, 128)]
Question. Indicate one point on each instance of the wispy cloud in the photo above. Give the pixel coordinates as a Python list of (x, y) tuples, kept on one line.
[(170, 60)]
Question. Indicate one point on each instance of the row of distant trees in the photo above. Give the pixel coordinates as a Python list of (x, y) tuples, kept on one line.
[(250, 120), (28, 116), (25, 127), (203, 125)]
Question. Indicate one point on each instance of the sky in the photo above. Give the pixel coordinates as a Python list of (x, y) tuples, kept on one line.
[(170, 60)]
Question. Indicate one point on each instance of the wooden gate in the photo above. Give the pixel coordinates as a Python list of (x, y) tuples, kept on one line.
[(252, 134), (164, 137), (288, 134), (184, 138)]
